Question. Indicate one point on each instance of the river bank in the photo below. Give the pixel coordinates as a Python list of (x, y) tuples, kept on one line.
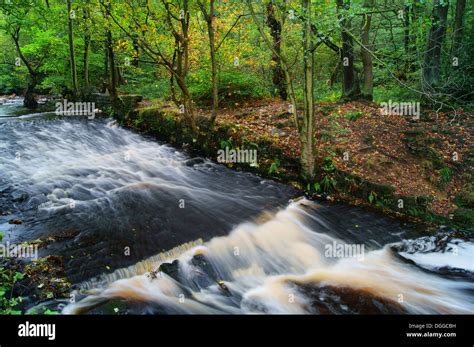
[(420, 170), (415, 169)]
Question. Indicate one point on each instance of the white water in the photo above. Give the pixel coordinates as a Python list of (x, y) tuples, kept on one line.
[(265, 265), (109, 188)]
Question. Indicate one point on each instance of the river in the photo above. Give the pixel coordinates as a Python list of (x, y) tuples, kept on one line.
[(120, 205)]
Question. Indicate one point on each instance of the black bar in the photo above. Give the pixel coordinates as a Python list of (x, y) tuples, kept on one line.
[(229, 330)]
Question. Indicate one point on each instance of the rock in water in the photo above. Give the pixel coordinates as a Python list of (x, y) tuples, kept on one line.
[(171, 269)]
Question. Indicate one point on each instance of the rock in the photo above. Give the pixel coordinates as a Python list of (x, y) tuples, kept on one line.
[(277, 132), (194, 161), (202, 263), (206, 275), (223, 287), (284, 114), (15, 221), (171, 269), (344, 300), (19, 196), (35, 201)]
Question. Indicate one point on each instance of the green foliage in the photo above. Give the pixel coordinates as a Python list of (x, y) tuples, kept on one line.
[(466, 197), (445, 175), (249, 144), (328, 166), (464, 217), (147, 82), (137, 122), (372, 197), (170, 121), (8, 303), (395, 92), (274, 166), (328, 181), (226, 143), (317, 187), (234, 86), (353, 115)]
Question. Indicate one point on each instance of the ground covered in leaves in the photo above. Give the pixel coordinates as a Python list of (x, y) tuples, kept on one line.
[(430, 156)]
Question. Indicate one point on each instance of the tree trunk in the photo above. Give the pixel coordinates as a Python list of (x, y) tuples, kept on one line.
[(87, 44), (72, 58), (307, 130), (458, 26), (284, 65), (106, 62), (136, 48), (278, 78), (179, 67), (188, 104), (113, 78), (431, 74), (350, 83), (210, 19), (413, 48), (111, 64), (118, 74), (29, 100), (368, 83)]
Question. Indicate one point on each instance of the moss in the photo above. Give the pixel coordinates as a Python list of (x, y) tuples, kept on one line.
[(464, 218), (361, 188), (466, 197), (421, 146)]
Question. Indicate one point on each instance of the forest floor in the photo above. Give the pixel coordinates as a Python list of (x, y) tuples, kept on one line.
[(425, 157)]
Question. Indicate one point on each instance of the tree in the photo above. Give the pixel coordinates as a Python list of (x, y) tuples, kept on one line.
[(209, 17), (87, 42), (171, 17), (458, 26), (113, 78), (431, 74), (33, 70), (305, 125), (350, 83), (368, 82), (19, 16), (275, 27), (72, 55), (307, 129)]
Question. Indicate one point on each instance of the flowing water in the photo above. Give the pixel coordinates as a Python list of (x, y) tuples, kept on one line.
[(120, 205)]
